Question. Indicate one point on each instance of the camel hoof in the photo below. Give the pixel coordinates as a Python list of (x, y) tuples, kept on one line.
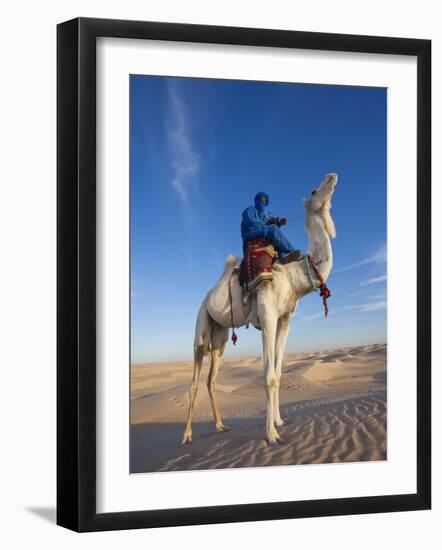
[(274, 439), (186, 440), (281, 441), (279, 423), (222, 428)]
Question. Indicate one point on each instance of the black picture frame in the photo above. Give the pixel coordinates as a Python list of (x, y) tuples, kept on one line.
[(76, 273)]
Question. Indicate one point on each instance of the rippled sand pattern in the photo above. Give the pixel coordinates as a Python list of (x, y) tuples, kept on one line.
[(333, 403)]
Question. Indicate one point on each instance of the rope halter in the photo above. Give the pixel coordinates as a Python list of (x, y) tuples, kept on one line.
[(324, 291)]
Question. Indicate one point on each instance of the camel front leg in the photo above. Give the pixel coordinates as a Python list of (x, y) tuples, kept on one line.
[(281, 339), (268, 322)]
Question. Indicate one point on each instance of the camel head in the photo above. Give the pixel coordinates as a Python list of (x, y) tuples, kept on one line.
[(319, 202)]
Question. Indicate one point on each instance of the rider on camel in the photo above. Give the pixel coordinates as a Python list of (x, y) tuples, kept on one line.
[(257, 223)]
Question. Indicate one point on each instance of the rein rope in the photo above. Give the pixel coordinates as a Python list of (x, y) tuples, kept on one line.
[(324, 291), (296, 217), (234, 337)]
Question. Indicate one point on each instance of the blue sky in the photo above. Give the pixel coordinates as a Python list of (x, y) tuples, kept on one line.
[(200, 150)]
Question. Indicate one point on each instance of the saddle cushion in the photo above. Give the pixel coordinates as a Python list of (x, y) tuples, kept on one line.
[(257, 264)]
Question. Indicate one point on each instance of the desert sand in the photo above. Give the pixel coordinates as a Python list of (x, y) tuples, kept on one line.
[(334, 405)]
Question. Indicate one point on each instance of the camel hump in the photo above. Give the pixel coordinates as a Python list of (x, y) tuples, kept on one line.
[(231, 261)]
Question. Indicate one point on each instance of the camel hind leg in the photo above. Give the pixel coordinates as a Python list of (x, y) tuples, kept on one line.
[(201, 348), (218, 342)]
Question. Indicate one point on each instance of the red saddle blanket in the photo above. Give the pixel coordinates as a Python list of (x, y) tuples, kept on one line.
[(257, 264)]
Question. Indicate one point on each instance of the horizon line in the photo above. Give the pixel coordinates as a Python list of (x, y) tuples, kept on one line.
[(259, 355)]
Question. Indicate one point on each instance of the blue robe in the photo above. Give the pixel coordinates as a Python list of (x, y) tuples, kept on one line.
[(254, 226)]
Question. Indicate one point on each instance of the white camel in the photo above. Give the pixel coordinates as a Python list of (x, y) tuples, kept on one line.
[(272, 307)]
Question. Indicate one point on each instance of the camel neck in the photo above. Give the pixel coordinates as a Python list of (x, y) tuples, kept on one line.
[(319, 245)]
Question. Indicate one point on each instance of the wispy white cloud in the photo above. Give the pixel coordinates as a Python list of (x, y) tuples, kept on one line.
[(313, 317), (380, 256), (374, 280), (184, 157), (379, 296), (321, 313), (350, 319), (190, 261), (375, 305)]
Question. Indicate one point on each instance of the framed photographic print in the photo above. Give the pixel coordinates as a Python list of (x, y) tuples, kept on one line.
[(243, 274)]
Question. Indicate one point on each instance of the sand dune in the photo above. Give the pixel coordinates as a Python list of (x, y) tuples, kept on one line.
[(333, 403)]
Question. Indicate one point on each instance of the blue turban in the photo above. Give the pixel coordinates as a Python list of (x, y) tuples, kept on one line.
[(258, 204)]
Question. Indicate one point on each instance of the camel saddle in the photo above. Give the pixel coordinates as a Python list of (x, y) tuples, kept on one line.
[(257, 264)]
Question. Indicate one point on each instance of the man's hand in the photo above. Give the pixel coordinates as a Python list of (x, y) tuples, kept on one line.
[(278, 221)]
